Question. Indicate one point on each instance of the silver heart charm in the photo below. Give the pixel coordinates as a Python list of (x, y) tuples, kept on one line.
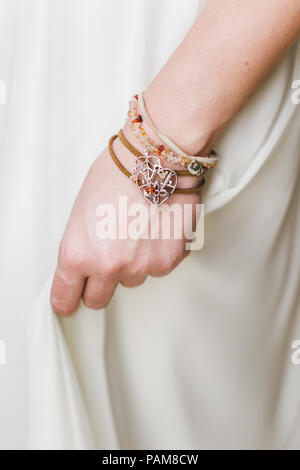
[(154, 182)]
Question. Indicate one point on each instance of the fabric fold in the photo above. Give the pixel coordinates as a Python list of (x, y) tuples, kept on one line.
[(58, 415)]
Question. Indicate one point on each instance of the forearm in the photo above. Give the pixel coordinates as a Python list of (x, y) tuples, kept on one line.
[(230, 49)]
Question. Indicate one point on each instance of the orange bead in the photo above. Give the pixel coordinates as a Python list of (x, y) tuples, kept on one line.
[(160, 148)]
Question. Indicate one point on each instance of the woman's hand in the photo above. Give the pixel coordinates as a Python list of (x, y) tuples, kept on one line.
[(90, 267)]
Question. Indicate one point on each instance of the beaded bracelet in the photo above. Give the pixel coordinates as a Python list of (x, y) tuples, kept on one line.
[(194, 164), (137, 153), (154, 182)]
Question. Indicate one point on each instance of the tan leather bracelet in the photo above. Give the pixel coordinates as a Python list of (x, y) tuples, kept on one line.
[(129, 175), (137, 153)]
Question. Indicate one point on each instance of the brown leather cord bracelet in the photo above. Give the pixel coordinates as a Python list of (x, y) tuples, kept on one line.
[(137, 153), (129, 175)]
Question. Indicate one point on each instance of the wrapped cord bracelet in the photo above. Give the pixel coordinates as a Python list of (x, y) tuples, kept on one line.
[(137, 153), (129, 175)]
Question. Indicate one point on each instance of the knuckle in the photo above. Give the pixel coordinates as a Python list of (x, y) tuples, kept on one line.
[(163, 268), (137, 272), (72, 256), (112, 269)]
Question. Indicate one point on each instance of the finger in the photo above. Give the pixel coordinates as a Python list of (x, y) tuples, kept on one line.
[(66, 291), (133, 281), (97, 292)]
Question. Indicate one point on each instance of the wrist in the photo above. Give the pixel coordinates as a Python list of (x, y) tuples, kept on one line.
[(182, 122)]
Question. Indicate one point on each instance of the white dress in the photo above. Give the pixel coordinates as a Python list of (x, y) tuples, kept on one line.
[(200, 359)]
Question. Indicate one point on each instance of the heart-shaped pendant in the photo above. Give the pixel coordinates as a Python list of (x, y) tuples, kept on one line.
[(154, 182)]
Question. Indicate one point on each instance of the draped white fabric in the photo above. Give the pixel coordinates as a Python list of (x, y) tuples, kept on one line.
[(199, 359)]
